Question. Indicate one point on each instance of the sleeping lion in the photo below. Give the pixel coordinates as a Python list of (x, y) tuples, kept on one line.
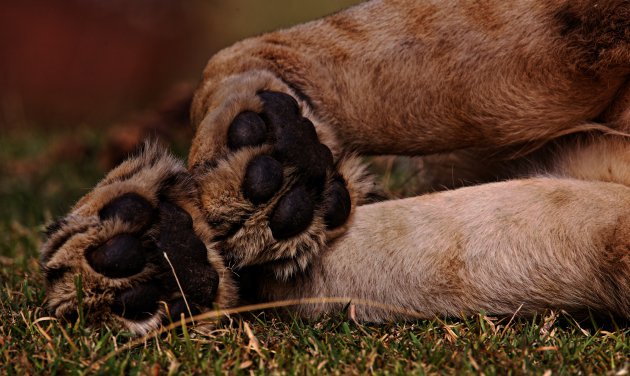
[(276, 202)]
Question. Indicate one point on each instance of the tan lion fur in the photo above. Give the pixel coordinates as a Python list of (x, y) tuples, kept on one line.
[(420, 77), (515, 246), (488, 79), (482, 79), (559, 242), (253, 243)]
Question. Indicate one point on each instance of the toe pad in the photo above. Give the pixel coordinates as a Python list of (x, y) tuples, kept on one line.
[(121, 256), (293, 213)]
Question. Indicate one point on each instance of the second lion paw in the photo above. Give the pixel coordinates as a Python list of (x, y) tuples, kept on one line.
[(277, 193)]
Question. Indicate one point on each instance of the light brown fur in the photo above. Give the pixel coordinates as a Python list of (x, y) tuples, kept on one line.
[(417, 78), (477, 78), (409, 77), (492, 248), (489, 78), (561, 241)]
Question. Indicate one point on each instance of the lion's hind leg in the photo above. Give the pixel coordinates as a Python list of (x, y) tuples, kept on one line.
[(515, 246)]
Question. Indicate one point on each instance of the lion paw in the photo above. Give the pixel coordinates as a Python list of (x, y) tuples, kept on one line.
[(138, 245), (277, 193)]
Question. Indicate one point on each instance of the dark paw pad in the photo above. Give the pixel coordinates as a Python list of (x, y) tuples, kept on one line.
[(173, 217), (295, 145), (130, 207), (263, 179), (121, 256), (292, 214), (187, 255), (247, 129), (137, 303), (339, 205), (187, 266), (279, 108)]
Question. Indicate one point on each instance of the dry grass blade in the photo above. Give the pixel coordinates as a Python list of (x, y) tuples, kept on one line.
[(352, 312), (253, 341), (256, 307), (511, 319), (180, 287)]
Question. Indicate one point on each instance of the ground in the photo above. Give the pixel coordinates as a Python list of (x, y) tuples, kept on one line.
[(44, 172)]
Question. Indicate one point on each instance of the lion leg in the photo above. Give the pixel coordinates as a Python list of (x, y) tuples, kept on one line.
[(415, 77), (521, 245), (275, 114), (558, 241)]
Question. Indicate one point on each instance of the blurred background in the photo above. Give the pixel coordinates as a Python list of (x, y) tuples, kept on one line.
[(90, 62), (82, 82)]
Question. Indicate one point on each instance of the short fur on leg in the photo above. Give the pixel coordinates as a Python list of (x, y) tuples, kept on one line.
[(517, 246), (413, 78), (560, 241), (419, 77)]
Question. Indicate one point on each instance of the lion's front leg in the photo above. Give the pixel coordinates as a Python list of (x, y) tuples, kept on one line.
[(516, 246)]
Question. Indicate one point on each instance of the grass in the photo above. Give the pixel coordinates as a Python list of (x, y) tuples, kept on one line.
[(42, 175)]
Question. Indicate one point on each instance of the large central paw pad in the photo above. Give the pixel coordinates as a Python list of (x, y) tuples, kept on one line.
[(278, 193), (135, 248), (295, 145)]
